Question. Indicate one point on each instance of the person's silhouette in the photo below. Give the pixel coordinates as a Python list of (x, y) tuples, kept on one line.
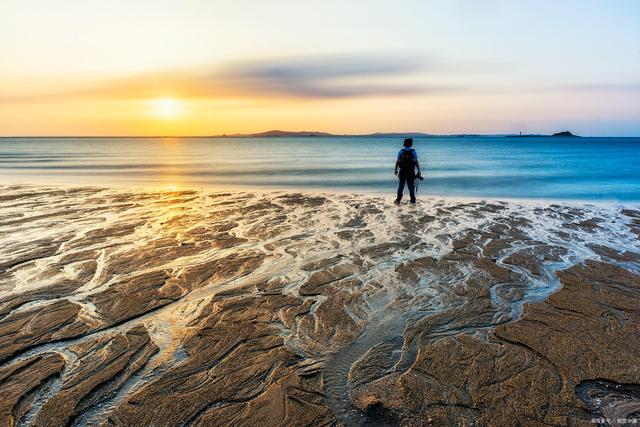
[(406, 165)]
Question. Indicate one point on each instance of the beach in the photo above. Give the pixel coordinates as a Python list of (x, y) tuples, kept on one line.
[(302, 214), (197, 307)]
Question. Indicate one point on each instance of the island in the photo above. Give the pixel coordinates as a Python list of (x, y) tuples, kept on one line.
[(289, 134), (298, 134), (565, 133)]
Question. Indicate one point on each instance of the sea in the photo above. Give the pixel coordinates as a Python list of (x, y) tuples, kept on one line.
[(555, 168)]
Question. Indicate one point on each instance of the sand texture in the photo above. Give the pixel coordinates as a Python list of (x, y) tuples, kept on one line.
[(127, 308)]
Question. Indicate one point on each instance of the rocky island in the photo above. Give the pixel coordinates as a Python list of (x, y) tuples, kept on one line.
[(564, 133)]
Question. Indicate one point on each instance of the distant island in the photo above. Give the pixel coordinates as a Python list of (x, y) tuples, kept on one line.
[(288, 134), (305, 134), (557, 134), (565, 133), (279, 134)]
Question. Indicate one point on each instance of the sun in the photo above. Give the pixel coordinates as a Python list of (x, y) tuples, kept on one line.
[(168, 108)]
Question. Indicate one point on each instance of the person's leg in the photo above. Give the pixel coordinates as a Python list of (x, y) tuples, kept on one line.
[(412, 188), (400, 188)]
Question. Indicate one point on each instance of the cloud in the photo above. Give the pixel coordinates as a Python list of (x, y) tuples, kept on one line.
[(310, 77), (604, 87), (327, 76)]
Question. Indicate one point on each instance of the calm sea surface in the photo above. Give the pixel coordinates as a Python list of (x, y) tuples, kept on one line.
[(549, 168)]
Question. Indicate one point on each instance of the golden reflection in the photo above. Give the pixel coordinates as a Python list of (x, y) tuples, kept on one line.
[(172, 172)]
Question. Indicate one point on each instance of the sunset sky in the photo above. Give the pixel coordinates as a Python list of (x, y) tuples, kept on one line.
[(211, 67)]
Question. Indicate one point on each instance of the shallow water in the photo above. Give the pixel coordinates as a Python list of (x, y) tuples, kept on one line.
[(536, 167)]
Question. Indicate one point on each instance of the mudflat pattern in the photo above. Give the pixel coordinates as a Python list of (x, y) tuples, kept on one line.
[(197, 308)]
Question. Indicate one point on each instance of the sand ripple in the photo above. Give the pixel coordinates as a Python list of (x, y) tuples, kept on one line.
[(174, 308)]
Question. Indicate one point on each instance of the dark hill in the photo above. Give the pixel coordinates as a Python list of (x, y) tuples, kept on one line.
[(565, 133)]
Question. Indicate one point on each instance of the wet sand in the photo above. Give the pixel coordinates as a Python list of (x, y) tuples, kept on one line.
[(195, 308)]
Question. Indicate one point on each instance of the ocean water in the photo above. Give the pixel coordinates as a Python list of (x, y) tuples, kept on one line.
[(598, 169)]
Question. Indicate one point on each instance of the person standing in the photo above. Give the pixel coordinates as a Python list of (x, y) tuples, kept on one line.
[(406, 165)]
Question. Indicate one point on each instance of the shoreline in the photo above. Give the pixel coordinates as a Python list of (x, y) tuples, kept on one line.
[(315, 307), (309, 191)]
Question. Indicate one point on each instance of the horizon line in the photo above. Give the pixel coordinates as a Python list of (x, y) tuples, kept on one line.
[(329, 135)]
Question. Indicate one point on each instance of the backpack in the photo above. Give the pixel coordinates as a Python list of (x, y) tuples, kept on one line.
[(406, 161)]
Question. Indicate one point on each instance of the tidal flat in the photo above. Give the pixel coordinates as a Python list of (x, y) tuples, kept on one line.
[(123, 307)]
